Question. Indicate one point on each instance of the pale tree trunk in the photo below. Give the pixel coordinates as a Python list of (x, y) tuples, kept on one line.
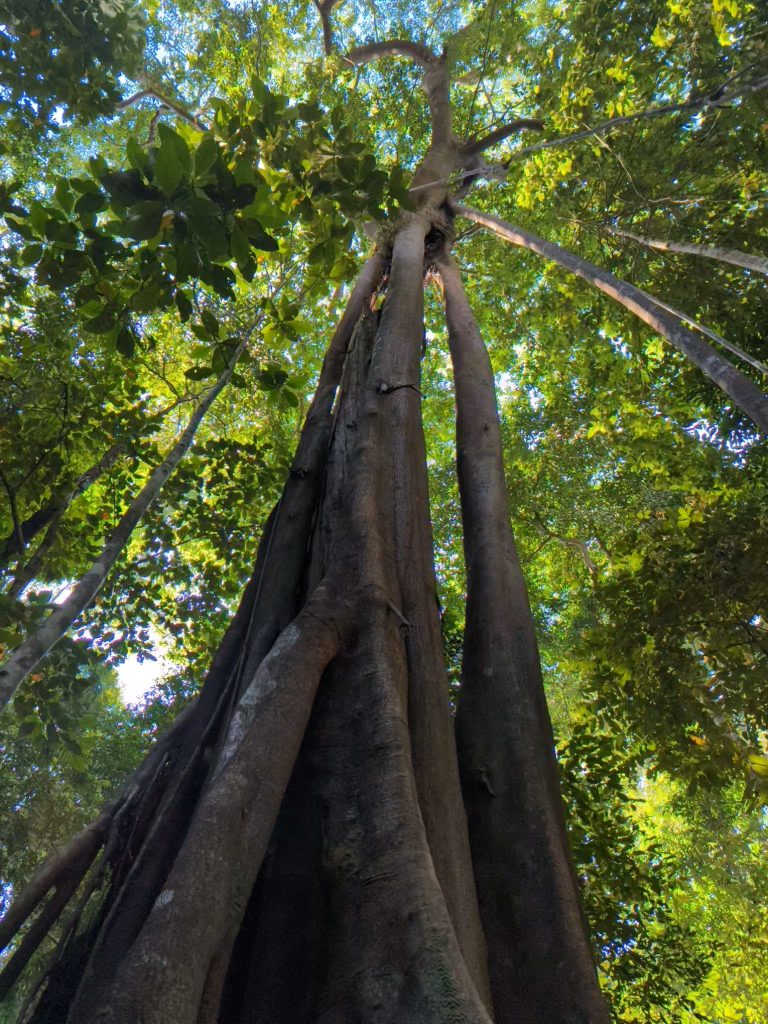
[(57, 505), (746, 395), (298, 846), (710, 252), (539, 957), (718, 338), (40, 518), (34, 648)]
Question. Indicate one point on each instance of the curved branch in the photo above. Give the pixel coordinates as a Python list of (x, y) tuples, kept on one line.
[(500, 134), (711, 252), (422, 55), (697, 103), (153, 94), (746, 395)]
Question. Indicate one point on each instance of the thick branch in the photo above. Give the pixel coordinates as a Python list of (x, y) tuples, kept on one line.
[(500, 134), (746, 395), (506, 750), (711, 252), (324, 8), (163, 976), (422, 55), (37, 645), (63, 865)]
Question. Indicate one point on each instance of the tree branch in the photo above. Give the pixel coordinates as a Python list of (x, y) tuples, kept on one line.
[(145, 94), (18, 532), (709, 333), (697, 103), (39, 642), (500, 134), (324, 8), (711, 252), (569, 542), (746, 395), (422, 55)]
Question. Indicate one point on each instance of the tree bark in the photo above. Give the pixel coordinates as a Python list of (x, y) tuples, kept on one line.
[(297, 852), (538, 949), (746, 395), (710, 252)]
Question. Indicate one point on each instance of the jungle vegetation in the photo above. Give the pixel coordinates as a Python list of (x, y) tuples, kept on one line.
[(395, 373)]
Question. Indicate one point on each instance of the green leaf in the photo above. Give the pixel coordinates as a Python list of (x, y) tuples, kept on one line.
[(103, 323), (145, 220), (125, 343), (210, 323), (63, 195), (30, 254), (171, 139), (168, 170), (183, 305), (199, 372), (240, 246), (137, 157), (91, 202), (206, 155), (259, 238)]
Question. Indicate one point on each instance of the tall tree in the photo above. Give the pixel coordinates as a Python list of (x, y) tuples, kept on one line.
[(310, 814)]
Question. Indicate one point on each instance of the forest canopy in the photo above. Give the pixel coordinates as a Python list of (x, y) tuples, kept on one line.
[(189, 191)]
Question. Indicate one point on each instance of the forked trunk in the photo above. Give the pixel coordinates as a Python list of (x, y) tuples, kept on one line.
[(296, 850)]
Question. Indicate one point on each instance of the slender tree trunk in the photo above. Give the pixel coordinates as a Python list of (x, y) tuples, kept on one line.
[(39, 519), (710, 252), (38, 644), (746, 395), (539, 956), (58, 504), (718, 338)]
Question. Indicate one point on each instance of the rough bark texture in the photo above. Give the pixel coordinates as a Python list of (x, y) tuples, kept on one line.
[(539, 957), (746, 395), (367, 887), (295, 850)]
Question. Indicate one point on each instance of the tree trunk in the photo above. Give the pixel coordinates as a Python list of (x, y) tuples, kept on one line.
[(34, 648), (539, 956), (746, 395), (298, 849)]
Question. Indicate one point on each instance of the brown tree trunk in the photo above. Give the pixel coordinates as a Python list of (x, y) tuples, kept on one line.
[(297, 853), (538, 950)]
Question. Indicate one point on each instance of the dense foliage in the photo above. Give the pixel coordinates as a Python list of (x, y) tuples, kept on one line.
[(185, 176)]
